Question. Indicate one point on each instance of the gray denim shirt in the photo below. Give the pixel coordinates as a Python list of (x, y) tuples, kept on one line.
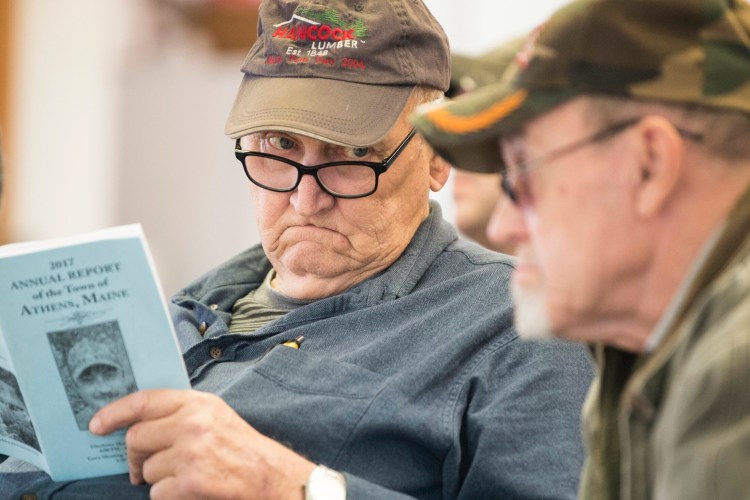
[(412, 383)]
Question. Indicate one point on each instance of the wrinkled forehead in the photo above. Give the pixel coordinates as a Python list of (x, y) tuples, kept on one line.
[(293, 132), (311, 138)]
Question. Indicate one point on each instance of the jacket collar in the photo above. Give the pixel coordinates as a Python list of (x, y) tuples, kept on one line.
[(731, 246)]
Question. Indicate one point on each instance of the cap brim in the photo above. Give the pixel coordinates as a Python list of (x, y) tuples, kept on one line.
[(348, 113), (80, 369), (466, 131)]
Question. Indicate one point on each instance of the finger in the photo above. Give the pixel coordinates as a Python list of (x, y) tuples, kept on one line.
[(188, 425), (146, 440), (187, 486), (171, 477), (150, 436), (136, 460), (193, 422), (151, 468), (160, 466), (141, 405), (166, 489)]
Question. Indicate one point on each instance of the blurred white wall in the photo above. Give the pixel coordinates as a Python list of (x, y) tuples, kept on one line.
[(120, 119), (118, 122), (475, 26), (69, 56)]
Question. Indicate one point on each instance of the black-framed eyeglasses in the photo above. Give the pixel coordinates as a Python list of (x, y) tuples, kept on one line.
[(342, 179), (511, 181)]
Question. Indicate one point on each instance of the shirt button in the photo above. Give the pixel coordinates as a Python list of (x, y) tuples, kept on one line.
[(214, 307), (202, 327), (215, 352), (28, 496)]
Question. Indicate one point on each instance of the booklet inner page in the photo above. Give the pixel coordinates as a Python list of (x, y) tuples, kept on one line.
[(17, 435)]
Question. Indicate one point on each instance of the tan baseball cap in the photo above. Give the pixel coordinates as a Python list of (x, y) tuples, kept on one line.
[(340, 71), (681, 51)]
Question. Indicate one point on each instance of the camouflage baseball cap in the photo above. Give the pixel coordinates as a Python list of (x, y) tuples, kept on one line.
[(338, 70), (685, 51)]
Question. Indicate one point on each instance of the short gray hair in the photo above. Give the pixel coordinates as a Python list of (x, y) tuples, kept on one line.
[(724, 132), (422, 94)]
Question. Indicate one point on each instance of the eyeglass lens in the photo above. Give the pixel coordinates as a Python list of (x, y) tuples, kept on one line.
[(345, 180)]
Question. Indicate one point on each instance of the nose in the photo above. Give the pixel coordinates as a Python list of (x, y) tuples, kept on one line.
[(507, 226), (309, 198)]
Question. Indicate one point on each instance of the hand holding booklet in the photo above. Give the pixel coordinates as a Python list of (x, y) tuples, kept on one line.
[(83, 322)]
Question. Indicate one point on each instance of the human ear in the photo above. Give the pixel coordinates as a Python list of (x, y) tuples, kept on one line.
[(439, 171), (660, 163)]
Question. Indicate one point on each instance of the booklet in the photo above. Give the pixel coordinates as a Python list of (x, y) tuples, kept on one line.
[(83, 322)]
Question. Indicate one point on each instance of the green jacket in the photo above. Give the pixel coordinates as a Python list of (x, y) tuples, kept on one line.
[(675, 423)]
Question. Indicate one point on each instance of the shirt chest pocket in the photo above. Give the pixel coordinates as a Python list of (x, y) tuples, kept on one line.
[(307, 401)]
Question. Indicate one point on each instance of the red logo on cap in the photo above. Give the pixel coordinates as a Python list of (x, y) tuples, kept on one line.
[(319, 25), (327, 30), (314, 32)]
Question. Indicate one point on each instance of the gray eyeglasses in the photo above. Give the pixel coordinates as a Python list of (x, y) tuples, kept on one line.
[(510, 180)]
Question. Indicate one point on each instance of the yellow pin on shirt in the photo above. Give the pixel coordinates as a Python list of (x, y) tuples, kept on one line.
[(295, 343)]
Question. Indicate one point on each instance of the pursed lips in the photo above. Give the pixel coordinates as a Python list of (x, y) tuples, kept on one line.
[(309, 227), (310, 232)]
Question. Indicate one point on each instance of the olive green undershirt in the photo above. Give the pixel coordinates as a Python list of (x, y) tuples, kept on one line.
[(261, 306)]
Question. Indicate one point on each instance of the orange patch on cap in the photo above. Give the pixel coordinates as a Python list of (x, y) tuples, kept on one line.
[(451, 123)]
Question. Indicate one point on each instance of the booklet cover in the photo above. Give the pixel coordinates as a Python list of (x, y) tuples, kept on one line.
[(83, 322)]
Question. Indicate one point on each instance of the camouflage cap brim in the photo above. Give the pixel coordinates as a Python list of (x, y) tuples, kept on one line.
[(465, 131)]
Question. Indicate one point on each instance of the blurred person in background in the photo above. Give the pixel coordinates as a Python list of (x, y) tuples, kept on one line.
[(362, 350), (477, 194), (624, 147)]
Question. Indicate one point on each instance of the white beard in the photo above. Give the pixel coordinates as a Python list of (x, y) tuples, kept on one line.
[(530, 313)]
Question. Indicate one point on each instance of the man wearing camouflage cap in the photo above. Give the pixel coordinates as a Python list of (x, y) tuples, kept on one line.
[(624, 144), (362, 350)]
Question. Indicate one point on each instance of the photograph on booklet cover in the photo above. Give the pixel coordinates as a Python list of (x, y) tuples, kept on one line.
[(94, 367)]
